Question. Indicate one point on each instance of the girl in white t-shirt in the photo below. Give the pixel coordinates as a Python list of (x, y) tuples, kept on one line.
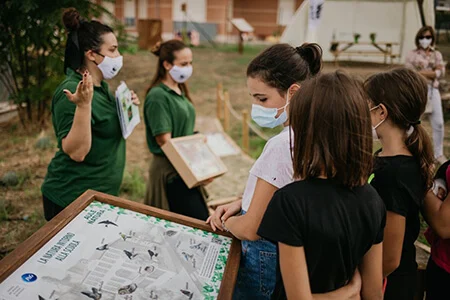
[(272, 79)]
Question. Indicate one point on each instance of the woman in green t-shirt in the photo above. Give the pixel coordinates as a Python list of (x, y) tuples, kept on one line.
[(169, 113), (91, 152)]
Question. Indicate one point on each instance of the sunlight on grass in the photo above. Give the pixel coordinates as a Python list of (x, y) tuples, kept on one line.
[(133, 185)]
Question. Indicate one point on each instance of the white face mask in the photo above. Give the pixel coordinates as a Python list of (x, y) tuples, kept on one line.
[(374, 128), (425, 42), (181, 74), (265, 117), (110, 66)]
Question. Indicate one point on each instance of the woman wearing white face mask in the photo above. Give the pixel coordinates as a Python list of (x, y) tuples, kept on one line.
[(272, 79), (91, 151), (169, 113), (430, 64)]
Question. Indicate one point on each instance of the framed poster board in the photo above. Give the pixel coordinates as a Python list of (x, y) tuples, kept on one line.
[(193, 159), (104, 247), (222, 145)]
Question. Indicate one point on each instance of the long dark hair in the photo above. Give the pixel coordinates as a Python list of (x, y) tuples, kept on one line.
[(83, 36), (330, 119), (282, 65), (405, 94), (166, 52)]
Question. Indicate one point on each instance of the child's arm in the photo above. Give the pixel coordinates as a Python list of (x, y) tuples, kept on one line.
[(394, 233), (245, 227), (294, 272), (437, 214), (296, 280), (372, 273)]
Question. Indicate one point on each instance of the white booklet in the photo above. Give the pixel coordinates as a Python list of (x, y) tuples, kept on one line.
[(128, 112)]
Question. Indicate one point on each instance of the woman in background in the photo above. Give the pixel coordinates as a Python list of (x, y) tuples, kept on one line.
[(430, 64), (169, 113)]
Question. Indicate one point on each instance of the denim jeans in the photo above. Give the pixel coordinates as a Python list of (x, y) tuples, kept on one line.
[(437, 121), (257, 270)]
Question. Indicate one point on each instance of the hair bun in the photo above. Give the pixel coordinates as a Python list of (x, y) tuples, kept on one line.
[(71, 19), (312, 54), (156, 50), (300, 50)]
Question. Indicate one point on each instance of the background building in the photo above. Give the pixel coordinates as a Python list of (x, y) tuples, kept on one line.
[(268, 17)]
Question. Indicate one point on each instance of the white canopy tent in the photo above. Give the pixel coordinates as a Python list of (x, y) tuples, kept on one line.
[(395, 21)]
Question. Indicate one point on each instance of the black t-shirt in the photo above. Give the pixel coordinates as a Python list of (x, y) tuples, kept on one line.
[(335, 225), (399, 183)]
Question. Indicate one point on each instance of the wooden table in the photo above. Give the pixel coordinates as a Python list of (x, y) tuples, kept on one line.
[(339, 48), (102, 244)]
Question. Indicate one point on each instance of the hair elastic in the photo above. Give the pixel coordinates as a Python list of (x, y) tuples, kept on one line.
[(409, 131), (73, 56)]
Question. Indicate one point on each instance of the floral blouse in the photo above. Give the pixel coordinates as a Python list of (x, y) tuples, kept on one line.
[(419, 60)]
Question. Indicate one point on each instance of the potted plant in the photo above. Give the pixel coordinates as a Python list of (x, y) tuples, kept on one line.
[(334, 46), (356, 36), (373, 37)]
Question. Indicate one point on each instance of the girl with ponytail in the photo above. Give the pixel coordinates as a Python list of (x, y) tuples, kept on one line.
[(169, 113), (402, 170), (273, 77)]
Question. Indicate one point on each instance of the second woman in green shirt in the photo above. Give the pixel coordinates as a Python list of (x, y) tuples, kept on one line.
[(169, 113)]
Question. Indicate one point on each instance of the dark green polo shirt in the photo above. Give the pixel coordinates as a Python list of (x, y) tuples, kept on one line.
[(166, 111), (102, 168)]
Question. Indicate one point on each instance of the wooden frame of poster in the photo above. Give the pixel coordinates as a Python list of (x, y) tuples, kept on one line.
[(28, 248)]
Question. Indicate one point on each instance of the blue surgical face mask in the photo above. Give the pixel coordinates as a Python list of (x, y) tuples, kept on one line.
[(266, 117)]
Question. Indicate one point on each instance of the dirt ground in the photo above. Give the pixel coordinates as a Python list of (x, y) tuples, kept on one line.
[(20, 206)]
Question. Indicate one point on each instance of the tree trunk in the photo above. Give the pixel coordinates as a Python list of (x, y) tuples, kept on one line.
[(21, 113), (29, 111)]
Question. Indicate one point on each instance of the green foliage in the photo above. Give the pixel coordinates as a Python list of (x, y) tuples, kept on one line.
[(133, 185), (5, 209), (32, 45), (44, 143), (250, 50), (10, 179), (15, 180), (127, 43)]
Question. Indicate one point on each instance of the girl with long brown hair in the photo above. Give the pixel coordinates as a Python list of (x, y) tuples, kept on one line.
[(329, 222), (273, 77), (402, 170), (169, 113)]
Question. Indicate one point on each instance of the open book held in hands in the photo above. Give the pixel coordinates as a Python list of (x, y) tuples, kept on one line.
[(128, 112)]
